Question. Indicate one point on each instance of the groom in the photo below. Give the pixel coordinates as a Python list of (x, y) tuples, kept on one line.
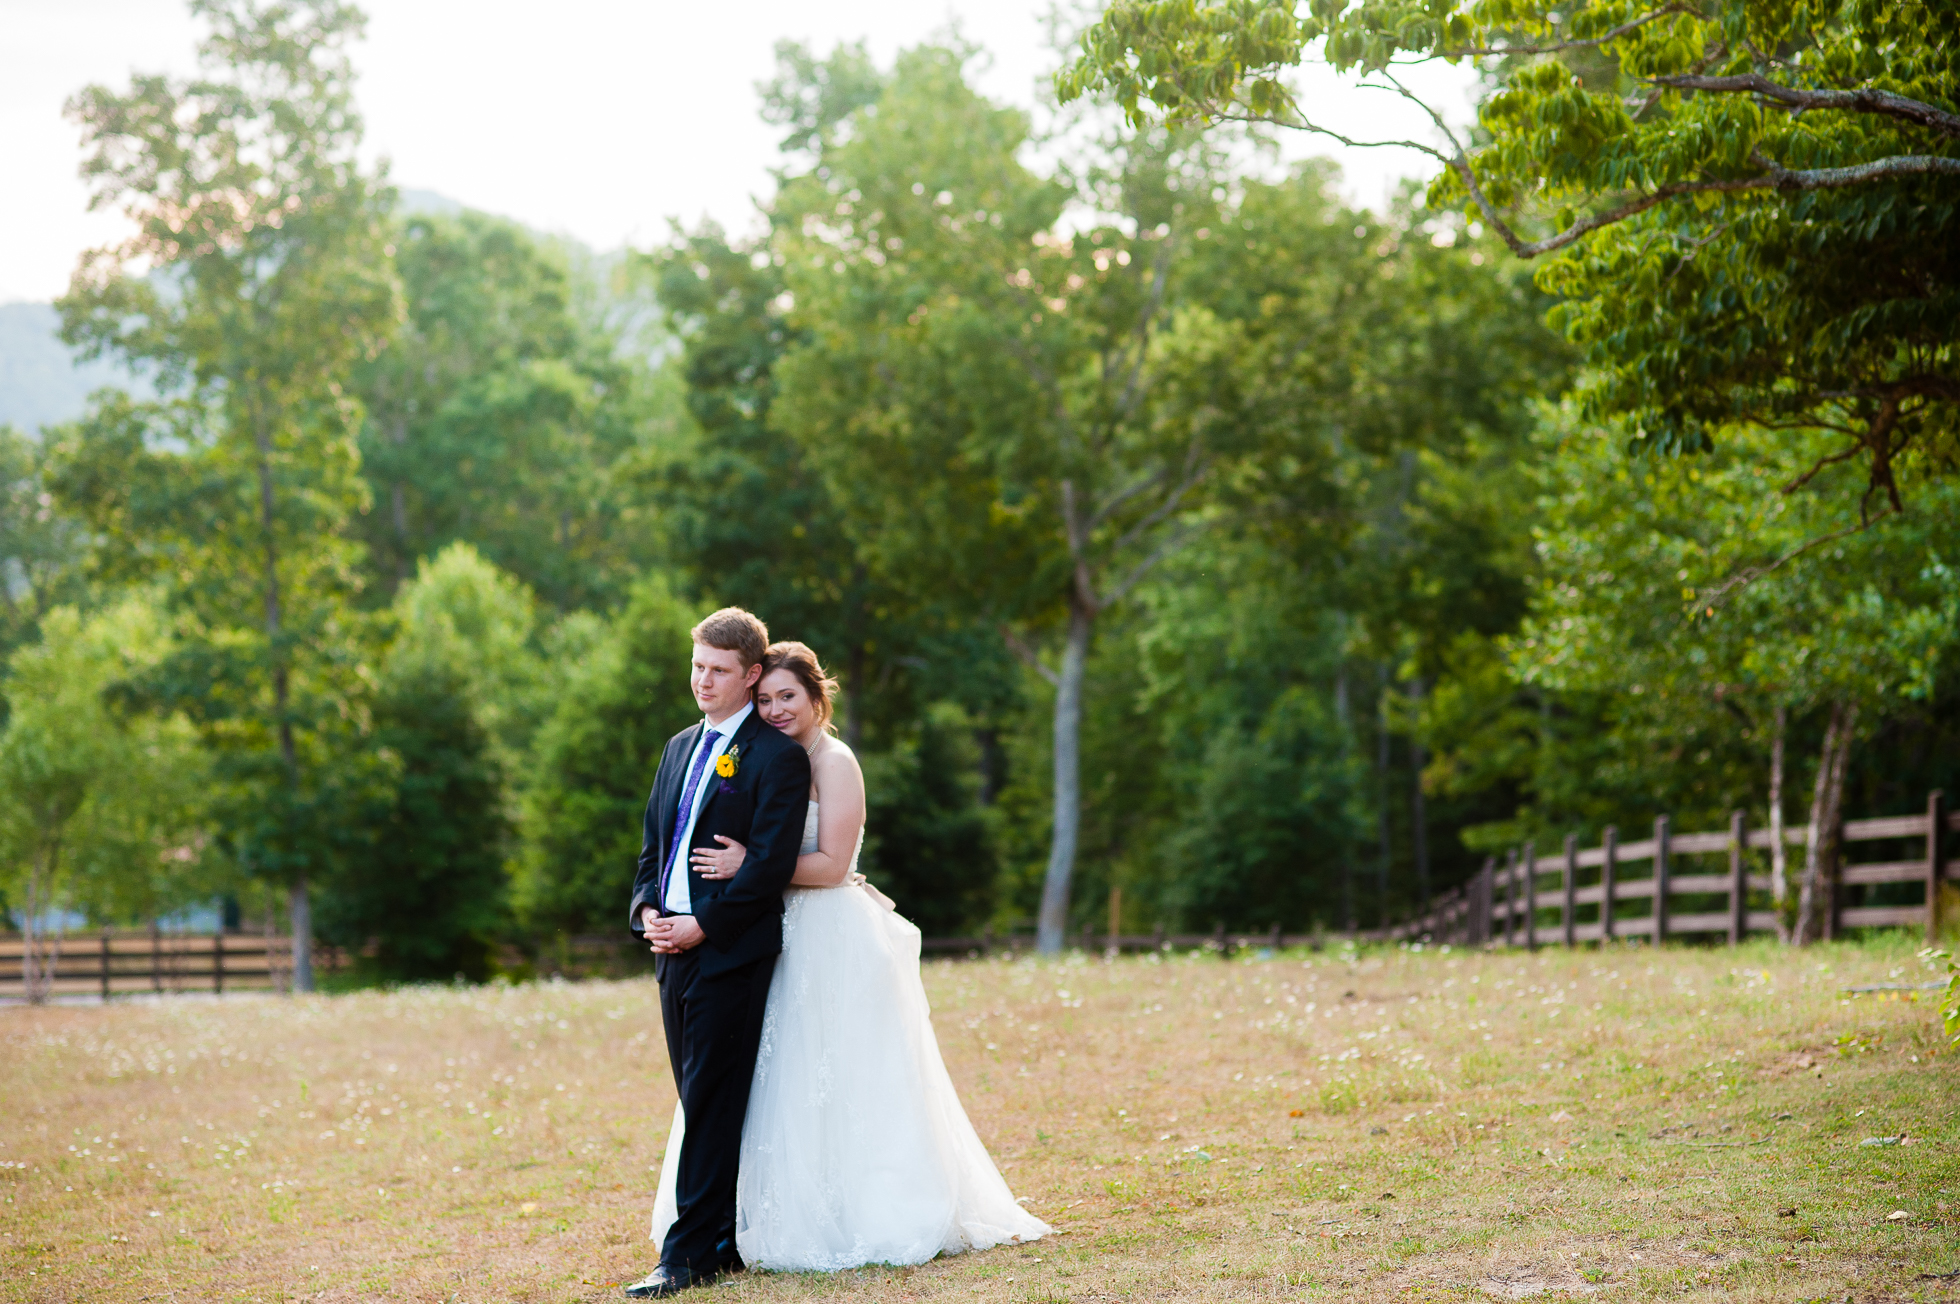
[(715, 943)]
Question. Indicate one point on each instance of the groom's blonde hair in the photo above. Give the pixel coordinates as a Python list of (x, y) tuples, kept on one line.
[(734, 630)]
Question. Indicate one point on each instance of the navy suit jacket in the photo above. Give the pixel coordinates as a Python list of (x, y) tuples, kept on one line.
[(762, 806)]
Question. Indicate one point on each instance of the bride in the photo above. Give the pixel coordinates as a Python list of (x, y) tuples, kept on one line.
[(855, 1148)]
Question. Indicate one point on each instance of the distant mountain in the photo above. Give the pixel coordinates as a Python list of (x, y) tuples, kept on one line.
[(41, 383), (413, 202)]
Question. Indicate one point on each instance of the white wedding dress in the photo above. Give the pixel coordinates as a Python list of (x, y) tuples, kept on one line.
[(855, 1149)]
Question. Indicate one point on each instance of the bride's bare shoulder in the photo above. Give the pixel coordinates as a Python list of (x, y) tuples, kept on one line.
[(834, 758)]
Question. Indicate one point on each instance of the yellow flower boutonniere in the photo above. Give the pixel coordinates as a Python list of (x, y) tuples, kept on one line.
[(728, 762)]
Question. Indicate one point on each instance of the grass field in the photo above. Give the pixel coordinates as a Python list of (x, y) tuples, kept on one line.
[(1391, 1125)]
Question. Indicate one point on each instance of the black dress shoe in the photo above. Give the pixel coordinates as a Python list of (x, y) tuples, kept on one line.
[(662, 1282)]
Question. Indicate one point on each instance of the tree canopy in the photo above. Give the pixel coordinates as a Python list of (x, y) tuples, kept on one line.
[(1750, 206)]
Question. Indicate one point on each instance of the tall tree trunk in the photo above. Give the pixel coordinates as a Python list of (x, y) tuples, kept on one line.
[(45, 869), (1779, 854), (1344, 716), (1053, 923), (33, 985), (1416, 762), (299, 905), (300, 908), (1381, 775), (987, 739), (1818, 898)]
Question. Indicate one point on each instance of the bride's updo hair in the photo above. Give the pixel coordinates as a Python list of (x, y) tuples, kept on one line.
[(800, 661)]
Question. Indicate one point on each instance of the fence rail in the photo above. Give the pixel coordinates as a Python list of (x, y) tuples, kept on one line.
[(1523, 900), (128, 962)]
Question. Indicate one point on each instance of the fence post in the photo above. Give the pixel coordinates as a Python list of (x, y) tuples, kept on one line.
[(1514, 898), (1277, 935), (1571, 890), (1157, 937), (1218, 939), (987, 941), (1738, 879), (1511, 897), (105, 966), (1480, 913), (218, 961), (1935, 870), (1606, 868), (156, 957), (1531, 896), (1828, 874), (1660, 879)]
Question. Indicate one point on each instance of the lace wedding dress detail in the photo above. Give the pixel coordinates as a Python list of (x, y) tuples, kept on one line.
[(856, 1148)]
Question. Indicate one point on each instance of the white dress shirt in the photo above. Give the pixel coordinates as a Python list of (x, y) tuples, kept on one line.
[(714, 737)]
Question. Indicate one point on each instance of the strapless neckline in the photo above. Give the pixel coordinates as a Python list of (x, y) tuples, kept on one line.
[(810, 845)]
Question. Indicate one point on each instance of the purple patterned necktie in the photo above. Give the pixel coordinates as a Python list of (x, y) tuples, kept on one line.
[(680, 816)]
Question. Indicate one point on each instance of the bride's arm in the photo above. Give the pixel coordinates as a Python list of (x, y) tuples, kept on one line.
[(840, 817)]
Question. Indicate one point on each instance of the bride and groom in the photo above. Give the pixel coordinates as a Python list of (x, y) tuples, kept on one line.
[(817, 1128)]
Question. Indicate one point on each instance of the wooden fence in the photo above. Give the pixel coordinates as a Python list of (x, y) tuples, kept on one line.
[(1615, 890), (1658, 887), (1661, 887), (135, 961)]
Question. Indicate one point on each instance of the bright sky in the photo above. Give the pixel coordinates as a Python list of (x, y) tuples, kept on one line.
[(600, 119)]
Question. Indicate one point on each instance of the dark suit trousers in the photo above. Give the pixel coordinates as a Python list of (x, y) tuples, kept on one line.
[(714, 1029)]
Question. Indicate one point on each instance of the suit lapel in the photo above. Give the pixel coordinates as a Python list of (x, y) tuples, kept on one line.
[(741, 739), (667, 797)]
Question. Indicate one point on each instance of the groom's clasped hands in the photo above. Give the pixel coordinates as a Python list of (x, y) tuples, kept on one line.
[(678, 933), (672, 935)]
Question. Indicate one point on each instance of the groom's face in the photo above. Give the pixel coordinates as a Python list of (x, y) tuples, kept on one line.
[(721, 682)]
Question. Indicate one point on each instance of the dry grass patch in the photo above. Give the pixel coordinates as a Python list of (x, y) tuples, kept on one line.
[(1395, 1125)]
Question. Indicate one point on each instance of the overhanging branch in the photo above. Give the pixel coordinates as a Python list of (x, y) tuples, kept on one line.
[(1171, 542), (1022, 649), (1711, 599), (1887, 103), (1554, 47), (1774, 176), (1195, 467)]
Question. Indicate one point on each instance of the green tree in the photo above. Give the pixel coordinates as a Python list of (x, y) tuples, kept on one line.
[(1644, 596), (463, 611), (497, 416), (98, 811), (429, 889), (1262, 806), (1383, 520), (256, 279), (1019, 425), (929, 843), (458, 700), (1753, 205), (745, 513), (41, 547), (624, 695)]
